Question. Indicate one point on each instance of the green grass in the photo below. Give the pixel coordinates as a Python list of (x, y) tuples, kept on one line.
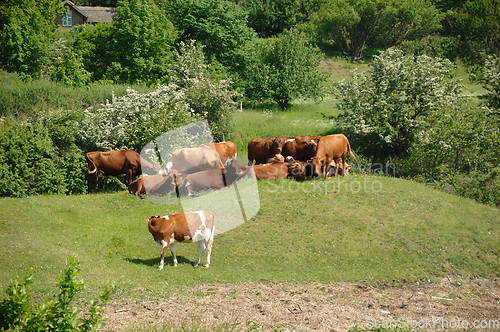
[(358, 228)]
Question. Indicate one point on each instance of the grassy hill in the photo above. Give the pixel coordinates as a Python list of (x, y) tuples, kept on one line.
[(358, 228)]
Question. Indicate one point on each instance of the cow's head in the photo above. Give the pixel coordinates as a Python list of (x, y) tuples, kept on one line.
[(297, 171), (278, 145), (318, 163)]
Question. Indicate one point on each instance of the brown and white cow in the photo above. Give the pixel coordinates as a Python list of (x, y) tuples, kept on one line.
[(184, 228), (225, 150), (113, 163), (192, 160), (211, 179), (330, 149), (272, 171), (299, 149), (158, 184), (263, 149)]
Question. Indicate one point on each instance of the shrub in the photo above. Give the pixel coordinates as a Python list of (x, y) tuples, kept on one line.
[(434, 46), (389, 104), (490, 80), (18, 313), (282, 69)]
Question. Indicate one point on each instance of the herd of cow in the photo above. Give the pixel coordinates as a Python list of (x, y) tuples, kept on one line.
[(214, 166)]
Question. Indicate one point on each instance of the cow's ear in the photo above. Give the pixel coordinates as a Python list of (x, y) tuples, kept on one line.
[(146, 219)]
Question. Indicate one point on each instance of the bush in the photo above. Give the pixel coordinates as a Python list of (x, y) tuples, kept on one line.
[(56, 313), (434, 46), (282, 69), (389, 104)]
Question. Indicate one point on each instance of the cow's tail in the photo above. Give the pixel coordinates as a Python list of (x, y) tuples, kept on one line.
[(91, 162), (352, 154)]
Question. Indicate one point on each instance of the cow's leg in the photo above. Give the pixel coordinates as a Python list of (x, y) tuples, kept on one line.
[(209, 251), (129, 174), (172, 250), (201, 249), (91, 181), (164, 246)]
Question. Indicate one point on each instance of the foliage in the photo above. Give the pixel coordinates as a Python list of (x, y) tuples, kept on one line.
[(220, 25), (358, 25), (388, 104), (27, 34), (71, 71), (131, 121), (490, 80), (272, 17), (458, 150), (17, 313), (434, 46), (283, 68), (478, 25), (142, 41)]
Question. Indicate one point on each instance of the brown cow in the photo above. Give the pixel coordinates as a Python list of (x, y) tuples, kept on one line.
[(192, 160), (331, 148), (113, 163), (261, 150), (211, 179), (299, 149), (273, 171), (158, 184), (225, 150), (184, 228), (276, 159)]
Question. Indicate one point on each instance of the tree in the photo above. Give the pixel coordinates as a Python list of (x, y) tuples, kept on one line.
[(272, 17), (389, 103), (142, 42), (220, 25), (490, 80), (283, 68), (357, 25), (27, 34)]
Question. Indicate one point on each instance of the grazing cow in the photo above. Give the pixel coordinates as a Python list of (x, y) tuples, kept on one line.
[(330, 149), (192, 160), (113, 163), (211, 179), (158, 184), (261, 150), (184, 228), (340, 170), (299, 149), (225, 150)]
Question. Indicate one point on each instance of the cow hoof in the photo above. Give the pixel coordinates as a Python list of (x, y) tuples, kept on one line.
[(160, 268), (195, 265), (206, 266)]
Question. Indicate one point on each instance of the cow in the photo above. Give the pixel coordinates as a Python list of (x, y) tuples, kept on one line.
[(330, 149), (183, 228), (113, 163), (211, 179), (276, 159), (299, 149), (272, 171), (192, 160), (263, 149), (158, 184), (225, 150), (334, 167)]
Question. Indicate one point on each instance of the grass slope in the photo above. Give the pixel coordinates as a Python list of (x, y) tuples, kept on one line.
[(358, 228)]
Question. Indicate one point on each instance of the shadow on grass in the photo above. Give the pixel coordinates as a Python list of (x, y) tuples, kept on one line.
[(169, 261)]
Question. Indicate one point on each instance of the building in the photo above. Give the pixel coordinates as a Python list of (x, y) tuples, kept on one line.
[(78, 15)]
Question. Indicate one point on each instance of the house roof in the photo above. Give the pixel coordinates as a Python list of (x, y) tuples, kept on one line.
[(93, 14)]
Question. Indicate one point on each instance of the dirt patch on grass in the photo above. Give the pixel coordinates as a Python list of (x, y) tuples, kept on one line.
[(315, 306)]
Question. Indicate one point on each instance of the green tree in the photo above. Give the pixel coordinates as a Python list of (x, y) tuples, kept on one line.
[(283, 68), (142, 42), (490, 80), (27, 34), (220, 25), (355, 26), (272, 17), (389, 104)]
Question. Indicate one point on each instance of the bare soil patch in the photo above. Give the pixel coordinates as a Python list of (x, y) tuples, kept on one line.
[(313, 306)]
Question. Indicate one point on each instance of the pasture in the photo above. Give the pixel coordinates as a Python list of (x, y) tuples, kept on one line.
[(364, 228)]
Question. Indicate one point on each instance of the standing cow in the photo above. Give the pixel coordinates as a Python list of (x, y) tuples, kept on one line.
[(184, 228), (113, 163), (331, 148), (192, 160), (225, 150), (299, 149)]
